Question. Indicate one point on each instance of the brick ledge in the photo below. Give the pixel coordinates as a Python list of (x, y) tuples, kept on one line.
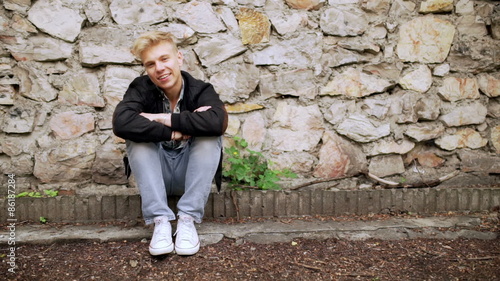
[(256, 203)]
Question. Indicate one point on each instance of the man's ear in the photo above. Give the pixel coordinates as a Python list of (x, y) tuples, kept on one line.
[(180, 58)]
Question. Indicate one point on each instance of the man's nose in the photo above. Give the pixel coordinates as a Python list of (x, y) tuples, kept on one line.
[(159, 66)]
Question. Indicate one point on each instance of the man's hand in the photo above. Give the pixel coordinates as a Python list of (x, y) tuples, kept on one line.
[(163, 118), (180, 136), (202, 108)]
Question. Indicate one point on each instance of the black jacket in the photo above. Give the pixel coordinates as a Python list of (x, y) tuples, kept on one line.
[(143, 96)]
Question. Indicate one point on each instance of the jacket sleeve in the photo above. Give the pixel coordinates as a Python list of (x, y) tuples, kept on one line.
[(212, 122), (128, 124)]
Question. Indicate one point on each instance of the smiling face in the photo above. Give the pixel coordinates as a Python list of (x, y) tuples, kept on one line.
[(163, 65)]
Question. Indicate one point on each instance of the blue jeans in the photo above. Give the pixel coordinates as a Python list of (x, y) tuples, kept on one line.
[(186, 172)]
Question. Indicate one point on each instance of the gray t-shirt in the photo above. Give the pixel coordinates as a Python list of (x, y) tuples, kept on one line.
[(173, 144)]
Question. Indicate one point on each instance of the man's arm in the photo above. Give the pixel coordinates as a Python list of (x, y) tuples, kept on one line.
[(165, 119), (212, 121), (128, 123)]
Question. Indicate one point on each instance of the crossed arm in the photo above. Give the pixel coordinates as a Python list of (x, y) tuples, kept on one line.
[(165, 119)]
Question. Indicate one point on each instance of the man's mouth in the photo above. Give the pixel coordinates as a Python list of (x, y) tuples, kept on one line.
[(163, 77)]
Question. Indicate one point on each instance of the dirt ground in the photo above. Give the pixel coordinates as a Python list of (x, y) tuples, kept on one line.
[(300, 259)]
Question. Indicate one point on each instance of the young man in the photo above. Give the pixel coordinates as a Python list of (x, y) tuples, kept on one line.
[(173, 126)]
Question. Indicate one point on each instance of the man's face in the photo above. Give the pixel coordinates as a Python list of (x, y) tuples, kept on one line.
[(163, 66)]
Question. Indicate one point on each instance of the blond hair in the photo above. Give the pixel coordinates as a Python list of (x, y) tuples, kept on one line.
[(152, 38)]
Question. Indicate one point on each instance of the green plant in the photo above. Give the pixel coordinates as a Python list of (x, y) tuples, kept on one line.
[(43, 220), (51, 193), (249, 169), (36, 194)]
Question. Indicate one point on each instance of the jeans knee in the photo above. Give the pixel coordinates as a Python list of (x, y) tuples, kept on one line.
[(205, 150), (207, 143), (141, 149)]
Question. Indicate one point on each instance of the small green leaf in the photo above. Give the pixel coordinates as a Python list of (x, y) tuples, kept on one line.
[(51, 193), (249, 168), (22, 194)]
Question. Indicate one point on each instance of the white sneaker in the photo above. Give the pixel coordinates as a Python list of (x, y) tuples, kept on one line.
[(187, 241), (161, 243)]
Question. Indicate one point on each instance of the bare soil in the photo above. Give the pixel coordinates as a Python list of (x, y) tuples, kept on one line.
[(300, 259)]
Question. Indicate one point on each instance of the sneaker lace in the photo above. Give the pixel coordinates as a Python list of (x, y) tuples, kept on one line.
[(185, 228), (161, 231)]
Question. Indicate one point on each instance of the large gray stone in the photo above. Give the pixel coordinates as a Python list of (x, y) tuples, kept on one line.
[(200, 16), (337, 56), (290, 124), (20, 6), (455, 89), (17, 24), (419, 79), (354, 83), (41, 48), (361, 129), (287, 24), (294, 52), (16, 144), (254, 131), (236, 84), (70, 161), (464, 138), (489, 84), (425, 39), (339, 158), (339, 110), (379, 7), (68, 125), (289, 161), (215, 50), (403, 105), (115, 49), (116, 82), (465, 114), (95, 11), (363, 44), (428, 107), (476, 161), (344, 20), (21, 165), (34, 83), (20, 119), (229, 19), (376, 107), (471, 25), (299, 83), (389, 147), (82, 89), (53, 17), (137, 12), (7, 94), (386, 165), (183, 34), (425, 131), (108, 167)]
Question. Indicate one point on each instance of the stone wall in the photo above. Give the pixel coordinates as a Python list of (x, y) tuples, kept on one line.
[(407, 90)]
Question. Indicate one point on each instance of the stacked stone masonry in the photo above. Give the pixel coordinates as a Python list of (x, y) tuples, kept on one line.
[(406, 90)]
